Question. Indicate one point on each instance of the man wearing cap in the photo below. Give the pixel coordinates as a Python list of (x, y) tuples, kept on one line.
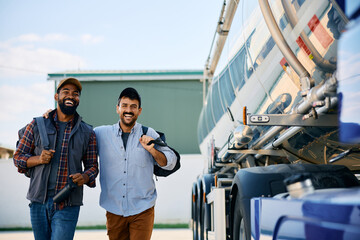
[(72, 157), (128, 191)]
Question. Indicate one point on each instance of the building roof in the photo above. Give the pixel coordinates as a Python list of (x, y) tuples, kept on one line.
[(129, 75)]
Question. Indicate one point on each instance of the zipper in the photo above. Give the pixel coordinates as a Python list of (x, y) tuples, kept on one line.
[(48, 175), (76, 126)]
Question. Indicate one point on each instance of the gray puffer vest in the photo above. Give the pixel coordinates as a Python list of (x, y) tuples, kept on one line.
[(77, 146)]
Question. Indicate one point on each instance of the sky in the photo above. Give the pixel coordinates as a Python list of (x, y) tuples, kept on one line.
[(38, 37)]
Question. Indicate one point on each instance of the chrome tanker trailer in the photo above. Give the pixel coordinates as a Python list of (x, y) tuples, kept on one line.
[(280, 125)]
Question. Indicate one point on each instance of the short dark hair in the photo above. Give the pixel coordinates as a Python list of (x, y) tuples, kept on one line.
[(130, 93)]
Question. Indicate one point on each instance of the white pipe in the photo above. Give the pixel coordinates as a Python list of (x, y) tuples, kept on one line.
[(282, 44), (222, 34)]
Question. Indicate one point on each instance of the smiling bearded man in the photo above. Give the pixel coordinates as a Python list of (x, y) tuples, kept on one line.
[(72, 145), (128, 191)]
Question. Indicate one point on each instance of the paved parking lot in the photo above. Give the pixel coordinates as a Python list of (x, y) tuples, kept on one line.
[(158, 234)]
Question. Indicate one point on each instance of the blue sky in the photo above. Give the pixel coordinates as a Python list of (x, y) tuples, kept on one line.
[(39, 37)]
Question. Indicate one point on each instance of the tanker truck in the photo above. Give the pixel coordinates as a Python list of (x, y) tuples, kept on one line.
[(279, 130)]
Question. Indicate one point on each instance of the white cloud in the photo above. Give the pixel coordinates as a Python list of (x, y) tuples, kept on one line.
[(56, 37), (32, 37), (19, 104), (24, 91), (18, 100), (31, 58), (90, 39), (28, 38)]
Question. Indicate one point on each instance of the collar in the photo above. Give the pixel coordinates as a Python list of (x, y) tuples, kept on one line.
[(54, 118), (119, 130)]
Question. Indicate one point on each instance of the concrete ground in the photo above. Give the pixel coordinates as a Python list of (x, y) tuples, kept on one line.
[(158, 234)]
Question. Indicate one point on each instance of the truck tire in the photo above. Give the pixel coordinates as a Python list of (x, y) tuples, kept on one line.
[(207, 183), (194, 217), (203, 229), (240, 226), (194, 224), (200, 215)]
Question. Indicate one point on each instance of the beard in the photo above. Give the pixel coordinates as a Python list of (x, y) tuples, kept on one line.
[(67, 110), (128, 124)]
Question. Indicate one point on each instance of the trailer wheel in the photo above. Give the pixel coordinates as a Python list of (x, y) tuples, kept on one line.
[(200, 217), (203, 229), (241, 225), (194, 225), (194, 216)]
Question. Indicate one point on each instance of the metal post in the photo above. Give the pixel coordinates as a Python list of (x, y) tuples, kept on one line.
[(217, 200)]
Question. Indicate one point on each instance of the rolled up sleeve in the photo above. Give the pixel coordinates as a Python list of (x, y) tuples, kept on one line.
[(169, 154), (170, 157)]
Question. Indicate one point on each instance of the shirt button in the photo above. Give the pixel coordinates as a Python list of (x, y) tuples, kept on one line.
[(124, 171), (123, 196)]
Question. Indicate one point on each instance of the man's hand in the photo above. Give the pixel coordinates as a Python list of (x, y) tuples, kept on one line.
[(144, 140), (46, 114), (79, 179), (157, 155), (46, 156)]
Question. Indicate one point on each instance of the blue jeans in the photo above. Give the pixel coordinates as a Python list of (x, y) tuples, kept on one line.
[(49, 223)]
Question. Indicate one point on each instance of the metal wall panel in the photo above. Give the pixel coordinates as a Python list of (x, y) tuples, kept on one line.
[(172, 107)]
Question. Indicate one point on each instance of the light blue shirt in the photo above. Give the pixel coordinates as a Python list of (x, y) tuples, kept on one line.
[(126, 176)]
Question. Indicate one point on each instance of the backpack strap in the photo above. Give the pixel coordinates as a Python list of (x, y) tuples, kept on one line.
[(42, 131), (144, 129), (159, 141), (158, 171)]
